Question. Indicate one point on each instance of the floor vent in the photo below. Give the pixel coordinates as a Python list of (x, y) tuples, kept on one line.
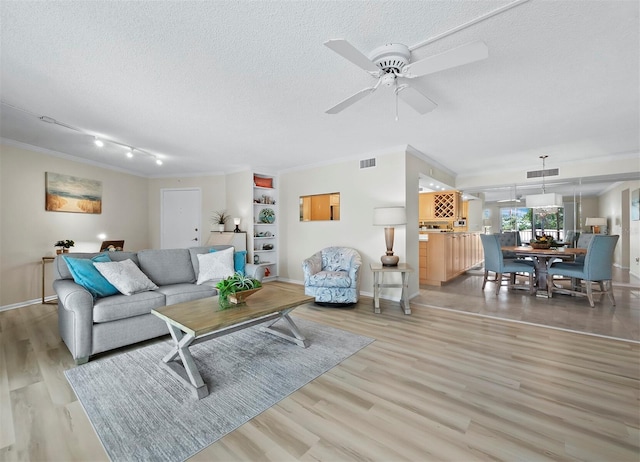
[(541, 173), (368, 163)]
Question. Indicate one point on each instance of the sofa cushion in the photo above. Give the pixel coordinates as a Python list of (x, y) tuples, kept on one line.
[(178, 293), (330, 279), (61, 269), (86, 275), (123, 306), (215, 266), (167, 266), (126, 276)]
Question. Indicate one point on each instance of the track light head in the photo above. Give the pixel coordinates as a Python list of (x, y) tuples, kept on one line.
[(98, 142), (130, 153), (158, 161)]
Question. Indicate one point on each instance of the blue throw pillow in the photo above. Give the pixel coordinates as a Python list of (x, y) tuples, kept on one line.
[(86, 275), (239, 260)]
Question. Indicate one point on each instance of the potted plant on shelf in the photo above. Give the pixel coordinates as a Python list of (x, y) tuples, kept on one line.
[(235, 289), (64, 246), (220, 218)]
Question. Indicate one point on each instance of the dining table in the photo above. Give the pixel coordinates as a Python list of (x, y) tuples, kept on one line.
[(543, 258)]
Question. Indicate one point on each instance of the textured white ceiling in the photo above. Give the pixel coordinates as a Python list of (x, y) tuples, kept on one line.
[(223, 85)]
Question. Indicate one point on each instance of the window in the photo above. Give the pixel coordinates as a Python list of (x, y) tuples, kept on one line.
[(532, 222)]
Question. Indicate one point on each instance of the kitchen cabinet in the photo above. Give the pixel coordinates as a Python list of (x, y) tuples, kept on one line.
[(447, 255), (422, 260), (425, 206), (445, 205)]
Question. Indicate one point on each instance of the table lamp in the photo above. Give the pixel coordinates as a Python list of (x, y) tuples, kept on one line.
[(236, 221), (389, 217), (595, 223)]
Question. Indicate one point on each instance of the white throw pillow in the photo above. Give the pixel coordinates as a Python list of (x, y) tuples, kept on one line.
[(125, 276), (215, 265)]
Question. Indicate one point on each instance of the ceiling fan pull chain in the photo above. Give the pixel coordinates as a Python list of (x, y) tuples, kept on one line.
[(396, 92)]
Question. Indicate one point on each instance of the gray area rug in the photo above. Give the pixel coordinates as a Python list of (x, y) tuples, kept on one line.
[(141, 412)]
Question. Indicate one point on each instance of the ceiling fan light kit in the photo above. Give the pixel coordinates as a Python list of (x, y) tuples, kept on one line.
[(392, 57), (391, 62)]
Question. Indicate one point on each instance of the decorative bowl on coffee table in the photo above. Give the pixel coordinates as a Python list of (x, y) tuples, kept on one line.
[(240, 297)]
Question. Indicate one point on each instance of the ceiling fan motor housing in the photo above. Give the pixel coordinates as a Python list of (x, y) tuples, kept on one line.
[(392, 57)]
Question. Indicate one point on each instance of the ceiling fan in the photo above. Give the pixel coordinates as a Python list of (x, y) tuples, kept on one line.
[(391, 65)]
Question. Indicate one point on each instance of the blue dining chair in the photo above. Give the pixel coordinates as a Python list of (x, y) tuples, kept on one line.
[(596, 267), (495, 262)]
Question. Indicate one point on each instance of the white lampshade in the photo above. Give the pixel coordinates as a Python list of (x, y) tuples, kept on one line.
[(236, 221), (596, 221), (544, 201), (389, 216)]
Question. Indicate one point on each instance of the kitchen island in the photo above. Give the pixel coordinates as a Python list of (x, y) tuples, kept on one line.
[(446, 255)]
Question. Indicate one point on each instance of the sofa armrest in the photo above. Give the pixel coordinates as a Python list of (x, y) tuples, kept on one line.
[(254, 271), (75, 317)]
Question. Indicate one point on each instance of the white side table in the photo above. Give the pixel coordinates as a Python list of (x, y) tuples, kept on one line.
[(378, 272)]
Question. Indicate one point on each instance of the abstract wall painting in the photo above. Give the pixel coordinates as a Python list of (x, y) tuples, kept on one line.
[(66, 193)]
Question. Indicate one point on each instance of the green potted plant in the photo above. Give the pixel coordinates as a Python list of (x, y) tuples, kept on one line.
[(64, 246), (235, 289), (220, 218)]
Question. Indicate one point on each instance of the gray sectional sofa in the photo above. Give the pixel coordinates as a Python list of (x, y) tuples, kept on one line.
[(90, 326)]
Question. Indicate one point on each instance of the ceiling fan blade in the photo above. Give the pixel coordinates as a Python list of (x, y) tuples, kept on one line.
[(416, 99), (464, 54), (351, 53), (350, 100)]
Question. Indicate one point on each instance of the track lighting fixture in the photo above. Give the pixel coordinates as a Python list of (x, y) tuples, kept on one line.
[(98, 141)]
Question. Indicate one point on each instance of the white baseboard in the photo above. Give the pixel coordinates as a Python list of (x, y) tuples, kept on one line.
[(362, 292), (35, 301)]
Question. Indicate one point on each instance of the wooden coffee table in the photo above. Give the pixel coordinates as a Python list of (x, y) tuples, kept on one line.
[(200, 320)]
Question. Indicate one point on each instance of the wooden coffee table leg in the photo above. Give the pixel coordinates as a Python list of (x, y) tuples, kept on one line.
[(186, 371), (296, 338)]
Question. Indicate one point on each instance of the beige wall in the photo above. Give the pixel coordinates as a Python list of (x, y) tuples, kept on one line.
[(239, 193), (360, 191), (28, 232), (610, 207), (131, 211)]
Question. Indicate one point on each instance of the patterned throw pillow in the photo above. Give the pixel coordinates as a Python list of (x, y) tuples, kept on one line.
[(215, 265), (239, 260), (126, 276)]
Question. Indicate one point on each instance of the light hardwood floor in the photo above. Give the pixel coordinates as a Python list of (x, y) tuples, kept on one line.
[(435, 385)]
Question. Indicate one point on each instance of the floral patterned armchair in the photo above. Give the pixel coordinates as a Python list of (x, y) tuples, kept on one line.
[(333, 276)]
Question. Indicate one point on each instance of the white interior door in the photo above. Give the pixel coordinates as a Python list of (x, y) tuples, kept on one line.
[(180, 217)]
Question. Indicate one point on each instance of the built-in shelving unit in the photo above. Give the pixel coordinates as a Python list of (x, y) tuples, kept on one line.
[(264, 238)]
